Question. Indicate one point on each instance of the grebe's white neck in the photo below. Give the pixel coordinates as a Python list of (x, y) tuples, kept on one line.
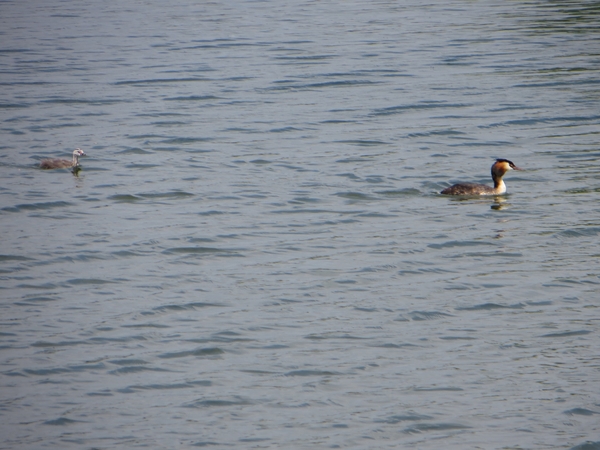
[(499, 186), (76, 154)]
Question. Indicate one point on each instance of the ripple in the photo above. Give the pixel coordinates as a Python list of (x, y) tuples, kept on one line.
[(407, 192), (426, 427), (488, 307), (170, 386), (125, 198), (159, 81), (86, 281), (355, 196), (402, 109), (580, 412), (409, 417), (311, 373), (211, 403), (15, 258), (183, 307), (213, 351), (193, 98), (199, 251), (37, 206), (428, 315), (62, 421), (567, 333), (127, 370)]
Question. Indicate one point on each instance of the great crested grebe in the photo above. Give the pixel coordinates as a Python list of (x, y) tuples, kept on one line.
[(58, 163), (499, 168)]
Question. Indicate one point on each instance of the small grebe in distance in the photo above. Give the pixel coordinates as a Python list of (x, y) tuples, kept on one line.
[(499, 168), (58, 163)]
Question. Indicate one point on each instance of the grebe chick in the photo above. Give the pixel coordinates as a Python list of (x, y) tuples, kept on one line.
[(499, 168), (58, 163)]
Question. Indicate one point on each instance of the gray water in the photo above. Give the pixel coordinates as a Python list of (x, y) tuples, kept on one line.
[(255, 253)]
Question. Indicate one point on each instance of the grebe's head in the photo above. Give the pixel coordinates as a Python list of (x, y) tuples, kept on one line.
[(78, 152), (501, 166)]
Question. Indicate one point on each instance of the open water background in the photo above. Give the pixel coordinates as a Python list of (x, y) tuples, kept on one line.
[(255, 254)]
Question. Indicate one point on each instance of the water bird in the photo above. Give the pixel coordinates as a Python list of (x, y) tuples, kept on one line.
[(59, 163), (499, 168)]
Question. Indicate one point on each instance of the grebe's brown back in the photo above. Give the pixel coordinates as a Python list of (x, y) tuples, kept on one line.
[(58, 163), (499, 168)]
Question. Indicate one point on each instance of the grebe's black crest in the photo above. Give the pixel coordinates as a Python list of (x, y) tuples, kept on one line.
[(510, 163)]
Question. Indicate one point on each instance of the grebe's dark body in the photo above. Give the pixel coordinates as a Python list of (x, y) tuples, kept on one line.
[(58, 163), (499, 168)]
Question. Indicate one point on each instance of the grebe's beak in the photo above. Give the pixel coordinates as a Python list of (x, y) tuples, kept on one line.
[(516, 168)]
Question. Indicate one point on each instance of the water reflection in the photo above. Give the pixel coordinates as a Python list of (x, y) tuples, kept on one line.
[(499, 203)]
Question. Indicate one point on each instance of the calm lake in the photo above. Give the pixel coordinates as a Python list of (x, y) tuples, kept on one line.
[(255, 253)]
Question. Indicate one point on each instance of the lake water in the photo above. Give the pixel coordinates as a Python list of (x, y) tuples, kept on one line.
[(255, 253)]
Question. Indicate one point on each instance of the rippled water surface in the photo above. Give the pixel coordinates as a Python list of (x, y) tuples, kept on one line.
[(255, 253)]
